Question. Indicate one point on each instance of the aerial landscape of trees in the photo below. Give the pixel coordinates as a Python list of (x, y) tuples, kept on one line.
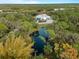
[(17, 22)]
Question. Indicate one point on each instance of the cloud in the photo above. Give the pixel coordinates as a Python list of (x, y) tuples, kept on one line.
[(20, 1), (32, 2)]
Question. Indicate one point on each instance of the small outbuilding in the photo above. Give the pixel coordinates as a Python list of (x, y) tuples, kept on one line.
[(43, 19)]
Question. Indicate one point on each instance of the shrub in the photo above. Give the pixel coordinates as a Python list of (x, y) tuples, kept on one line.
[(48, 49), (26, 27), (39, 57), (15, 48), (76, 45), (3, 27), (52, 33), (69, 53)]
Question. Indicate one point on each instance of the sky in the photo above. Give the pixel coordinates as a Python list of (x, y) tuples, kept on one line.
[(37, 1)]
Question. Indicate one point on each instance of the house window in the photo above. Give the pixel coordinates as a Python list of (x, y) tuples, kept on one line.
[(38, 18)]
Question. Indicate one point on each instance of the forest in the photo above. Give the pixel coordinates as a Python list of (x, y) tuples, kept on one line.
[(17, 22)]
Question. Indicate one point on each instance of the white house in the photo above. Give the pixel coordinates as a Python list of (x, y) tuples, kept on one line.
[(62, 8), (56, 9), (59, 9), (43, 19), (1, 10)]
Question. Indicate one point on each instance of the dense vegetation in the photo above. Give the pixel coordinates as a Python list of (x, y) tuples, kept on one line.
[(16, 23)]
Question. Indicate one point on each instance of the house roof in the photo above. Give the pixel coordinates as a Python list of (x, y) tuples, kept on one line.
[(42, 16)]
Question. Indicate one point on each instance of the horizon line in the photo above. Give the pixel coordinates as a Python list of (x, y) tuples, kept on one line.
[(42, 3)]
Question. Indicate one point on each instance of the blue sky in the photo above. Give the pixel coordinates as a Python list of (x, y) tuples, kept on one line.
[(36, 1)]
